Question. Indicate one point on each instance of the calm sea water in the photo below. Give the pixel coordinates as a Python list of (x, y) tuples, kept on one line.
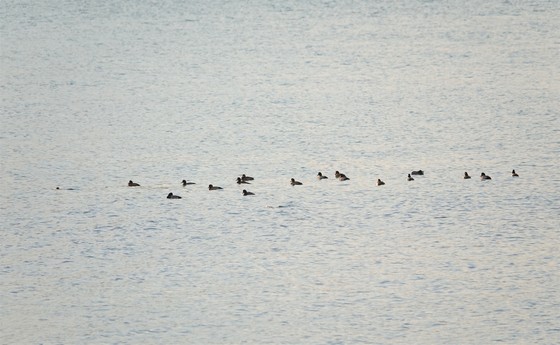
[(94, 94)]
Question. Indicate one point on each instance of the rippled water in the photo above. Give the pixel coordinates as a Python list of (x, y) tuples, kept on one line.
[(96, 94)]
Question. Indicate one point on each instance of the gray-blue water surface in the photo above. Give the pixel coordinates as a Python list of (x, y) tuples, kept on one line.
[(95, 94)]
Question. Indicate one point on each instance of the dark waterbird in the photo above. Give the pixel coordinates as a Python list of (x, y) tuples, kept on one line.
[(241, 181), (247, 178)]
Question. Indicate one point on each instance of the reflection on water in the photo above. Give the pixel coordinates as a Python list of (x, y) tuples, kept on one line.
[(95, 95)]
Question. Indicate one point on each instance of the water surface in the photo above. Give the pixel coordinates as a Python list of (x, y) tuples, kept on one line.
[(94, 95)]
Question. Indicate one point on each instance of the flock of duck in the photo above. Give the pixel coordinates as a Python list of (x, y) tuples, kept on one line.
[(244, 179)]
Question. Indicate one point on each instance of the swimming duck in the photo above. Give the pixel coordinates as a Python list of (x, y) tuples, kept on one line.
[(320, 176), (133, 184), (240, 181), (466, 176), (514, 174), (246, 178), (380, 183), (483, 177), (245, 193), (172, 196), (211, 187), (340, 176), (417, 172), (293, 182), (186, 183), (410, 178)]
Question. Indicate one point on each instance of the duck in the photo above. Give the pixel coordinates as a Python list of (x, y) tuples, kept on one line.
[(379, 182), (173, 196), (247, 178), (240, 181), (186, 183), (320, 176), (466, 176), (340, 176), (514, 174), (245, 192), (212, 187), (293, 182), (483, 177), (133, 184), (417, 172), (410, 178)]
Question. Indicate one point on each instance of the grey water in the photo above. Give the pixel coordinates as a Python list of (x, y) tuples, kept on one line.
[(94, 94)]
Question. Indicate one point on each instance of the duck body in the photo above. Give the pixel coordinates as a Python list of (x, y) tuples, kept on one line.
[(133, 184), (514, 174), (484, 177), (186, 183), (212, 187), (293, 182), (410, 178), (246, 193), (173, 196), (417, 172), (466, 176), (247, 178), (380, 183), (340, 176), (241, 181), (320, 176)]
